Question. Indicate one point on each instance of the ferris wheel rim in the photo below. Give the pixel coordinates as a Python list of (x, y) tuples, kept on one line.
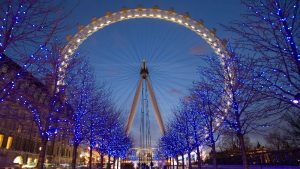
[(97, 24)]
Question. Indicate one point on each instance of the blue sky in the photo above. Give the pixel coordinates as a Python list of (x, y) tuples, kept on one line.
[(171, 51)]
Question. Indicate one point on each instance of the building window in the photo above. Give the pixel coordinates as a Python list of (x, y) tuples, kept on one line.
[(1, 139), (9, 142)]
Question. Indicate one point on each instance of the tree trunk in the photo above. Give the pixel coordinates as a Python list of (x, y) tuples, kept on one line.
[(173, 163), (118, 163), (91, 157), (108, 162), (42, 154), (74, 156), (243, 150), (190, 160), (114, 161), (182, 161), (102, 161), (214, 155), (177, 161), (198, 157)]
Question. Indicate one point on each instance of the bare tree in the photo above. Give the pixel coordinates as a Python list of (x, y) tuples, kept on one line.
[(230, 143), (276, 141), (292, 128)]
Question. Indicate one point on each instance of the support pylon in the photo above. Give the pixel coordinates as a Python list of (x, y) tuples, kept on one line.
[(144, 76)]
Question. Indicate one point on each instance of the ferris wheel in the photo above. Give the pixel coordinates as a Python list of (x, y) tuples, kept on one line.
[(169, 48)]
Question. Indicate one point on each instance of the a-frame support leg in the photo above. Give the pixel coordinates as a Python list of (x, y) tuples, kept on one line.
[(155, 107), (133, 106)]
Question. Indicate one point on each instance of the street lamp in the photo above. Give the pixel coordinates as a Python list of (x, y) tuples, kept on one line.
[(296, 100)]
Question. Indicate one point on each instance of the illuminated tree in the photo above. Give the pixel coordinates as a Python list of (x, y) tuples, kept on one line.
[(46, 107), (28, 23), (102, 135), (97, 116), (54, 112), (242, 106), (26, 29), (270, 29), (95, 120), (111, 137), (196, 123), (79, 97), (122, 145), (202, 102), (119, 143), (172, 144), (113, 131), (27, 34), (183, 127), (190, 108)]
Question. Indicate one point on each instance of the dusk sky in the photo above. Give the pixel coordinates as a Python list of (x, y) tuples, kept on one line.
[(172, 52)]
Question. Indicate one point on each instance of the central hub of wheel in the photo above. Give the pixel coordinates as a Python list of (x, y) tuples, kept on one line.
[(144, 70)]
